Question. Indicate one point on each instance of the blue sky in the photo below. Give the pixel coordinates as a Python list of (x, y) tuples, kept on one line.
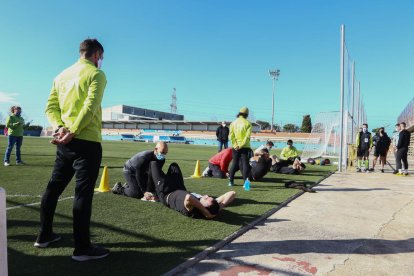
[(216, 53)]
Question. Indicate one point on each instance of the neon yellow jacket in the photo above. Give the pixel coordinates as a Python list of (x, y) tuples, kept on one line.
[(289, 153), (75, 100), (15, 125), (240, 132)]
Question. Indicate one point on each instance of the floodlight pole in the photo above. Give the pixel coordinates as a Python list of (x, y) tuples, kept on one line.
[(274, 74), (341, 137)]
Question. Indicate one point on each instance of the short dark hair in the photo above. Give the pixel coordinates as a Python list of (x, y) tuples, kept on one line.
[(90, 46), (214, 208), (365, 125), (270, 143), (403, 124), (397, 124), (289, 142)]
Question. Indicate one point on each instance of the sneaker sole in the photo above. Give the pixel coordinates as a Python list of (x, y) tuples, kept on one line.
[(46, 244), (84, 258)]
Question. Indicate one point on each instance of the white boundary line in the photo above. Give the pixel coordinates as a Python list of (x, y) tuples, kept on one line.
[(38, 203), (35, 203)]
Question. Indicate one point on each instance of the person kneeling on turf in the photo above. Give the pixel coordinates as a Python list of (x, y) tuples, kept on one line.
[(218, 165), (173, 194), (137, 174)]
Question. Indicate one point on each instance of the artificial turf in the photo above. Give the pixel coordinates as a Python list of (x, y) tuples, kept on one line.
[(144, 238)]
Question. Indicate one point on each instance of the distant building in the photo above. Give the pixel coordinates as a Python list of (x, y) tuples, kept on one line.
[(131, 113)]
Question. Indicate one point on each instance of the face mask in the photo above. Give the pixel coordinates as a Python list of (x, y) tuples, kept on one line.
[(160, 156), (18, 113), (364, 129), (100, 63)]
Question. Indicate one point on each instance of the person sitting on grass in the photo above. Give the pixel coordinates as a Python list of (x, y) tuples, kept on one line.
[(284, 167), (260, 164), (138, 175), (269, 145), (173, 194), (218, 165), (289, 153)]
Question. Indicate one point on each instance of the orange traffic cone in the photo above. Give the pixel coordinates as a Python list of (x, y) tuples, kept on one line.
[(104, 185), (197, 171)]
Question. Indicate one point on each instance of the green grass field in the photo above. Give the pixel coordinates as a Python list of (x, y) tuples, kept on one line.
[(144, 238)]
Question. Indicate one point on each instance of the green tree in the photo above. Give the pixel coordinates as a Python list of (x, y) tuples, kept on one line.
[(290, 128), (306, 124)]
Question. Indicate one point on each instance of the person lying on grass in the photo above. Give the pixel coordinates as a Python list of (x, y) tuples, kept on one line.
[(282, 166), (173, 194)]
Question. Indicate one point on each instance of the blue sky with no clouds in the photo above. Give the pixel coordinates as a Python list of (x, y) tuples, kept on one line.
[(215, 53)]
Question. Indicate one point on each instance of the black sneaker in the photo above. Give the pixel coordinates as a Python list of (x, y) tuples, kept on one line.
[(395, 172), (382, 170), (117, 188), (93, 252), (371, 170), (42, 242), (358, 170)]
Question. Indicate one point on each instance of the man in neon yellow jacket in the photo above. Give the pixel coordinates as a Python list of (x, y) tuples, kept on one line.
[(289, 153), (14, 125), (240, 132), (74, 110)]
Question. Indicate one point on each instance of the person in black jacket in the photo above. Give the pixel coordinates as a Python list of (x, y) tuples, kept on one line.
[(222, 134), (137, 174), (382, 146), (402, 150)]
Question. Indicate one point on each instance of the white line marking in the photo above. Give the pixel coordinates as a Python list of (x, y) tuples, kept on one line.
[(23, 196), (38, 203)]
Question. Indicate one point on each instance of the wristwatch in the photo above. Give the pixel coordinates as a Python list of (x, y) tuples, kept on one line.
[(57, 129)]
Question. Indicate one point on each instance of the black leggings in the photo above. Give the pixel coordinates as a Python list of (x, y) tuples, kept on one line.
[(242, 156), (166, 183)]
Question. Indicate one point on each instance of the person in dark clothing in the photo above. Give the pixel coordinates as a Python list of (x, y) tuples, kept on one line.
[(138, 174), (363, 145), (222, 134), (173, 194), (260, 164), (402, 150), (382, 144)]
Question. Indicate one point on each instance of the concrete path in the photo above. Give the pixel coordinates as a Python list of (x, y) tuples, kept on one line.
[(356, 224)]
